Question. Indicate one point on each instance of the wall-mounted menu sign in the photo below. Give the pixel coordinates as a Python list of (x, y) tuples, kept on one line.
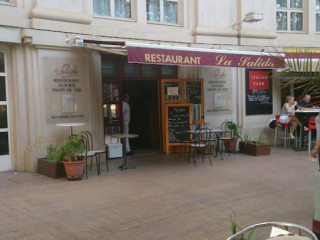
[(172, 90), (193, 92), (258, 92), (179, 120), (218, 87), (66, 89)]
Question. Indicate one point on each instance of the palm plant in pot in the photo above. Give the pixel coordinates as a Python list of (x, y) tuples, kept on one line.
[(230, 143), (74, 153)]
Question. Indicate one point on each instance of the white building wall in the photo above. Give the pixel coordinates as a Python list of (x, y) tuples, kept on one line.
[(45, 25)]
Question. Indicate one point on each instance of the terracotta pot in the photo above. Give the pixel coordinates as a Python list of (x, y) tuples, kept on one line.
[(230, 145), (74, 169)]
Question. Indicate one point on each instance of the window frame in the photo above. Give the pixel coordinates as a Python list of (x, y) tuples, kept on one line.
[(290, 10), (317, 12), (112, 12), (179, 14)]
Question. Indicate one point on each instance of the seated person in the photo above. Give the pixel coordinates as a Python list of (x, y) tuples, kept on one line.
[(287, 115), (305, 103)]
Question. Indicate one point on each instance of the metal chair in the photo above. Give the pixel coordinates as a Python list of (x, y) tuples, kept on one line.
[(276, 224), (228, 137), (201, 142), (311, 126), (286, 127), (91, 152)]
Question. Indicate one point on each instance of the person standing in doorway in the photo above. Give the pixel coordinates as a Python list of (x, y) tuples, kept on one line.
[(126, 120)]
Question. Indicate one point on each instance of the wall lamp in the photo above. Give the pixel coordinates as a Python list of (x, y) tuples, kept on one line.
[(76, 42), (250, 17)]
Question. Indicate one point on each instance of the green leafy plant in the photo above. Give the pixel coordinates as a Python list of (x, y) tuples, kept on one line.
[(302, 72), (246, 137), (54, 154), (260, 140), (73, 148), (236, 228), (230, 125)]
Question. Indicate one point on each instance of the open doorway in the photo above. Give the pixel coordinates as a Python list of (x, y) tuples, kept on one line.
[(144, 114)]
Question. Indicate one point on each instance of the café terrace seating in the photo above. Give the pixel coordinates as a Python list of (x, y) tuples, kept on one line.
[(92, 153)]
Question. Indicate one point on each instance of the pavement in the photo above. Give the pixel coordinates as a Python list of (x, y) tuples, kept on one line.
[(163, 198)]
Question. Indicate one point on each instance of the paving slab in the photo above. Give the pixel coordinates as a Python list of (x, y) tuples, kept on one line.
[(163, 198)]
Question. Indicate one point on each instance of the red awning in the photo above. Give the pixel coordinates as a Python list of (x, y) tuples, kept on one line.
[(172, 55)]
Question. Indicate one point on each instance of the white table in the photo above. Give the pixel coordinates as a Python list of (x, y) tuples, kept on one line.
[(71, 124)]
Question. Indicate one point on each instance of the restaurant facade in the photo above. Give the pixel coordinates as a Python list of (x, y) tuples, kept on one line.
[(63, 62)]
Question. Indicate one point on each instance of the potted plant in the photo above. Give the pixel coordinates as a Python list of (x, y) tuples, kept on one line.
[(52, 165), (74, 152), (258, 148), (231, 142), (243, 143)]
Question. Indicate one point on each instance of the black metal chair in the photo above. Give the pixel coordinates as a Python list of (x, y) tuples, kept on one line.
[(200, 144), (228, 137), (184, 139), (92, 153)]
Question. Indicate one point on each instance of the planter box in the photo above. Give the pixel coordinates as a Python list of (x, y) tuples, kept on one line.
[(51, 169), (243, 147), (256, 150)]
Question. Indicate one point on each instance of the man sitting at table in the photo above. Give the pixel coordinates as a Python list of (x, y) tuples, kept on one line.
[(306, 104)]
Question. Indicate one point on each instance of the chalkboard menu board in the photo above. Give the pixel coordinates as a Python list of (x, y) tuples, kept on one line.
[(193, 92), (258, 92), (178, 122)]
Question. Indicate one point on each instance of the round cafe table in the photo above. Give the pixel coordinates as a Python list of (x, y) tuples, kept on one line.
[(124, 136), (71, 124)]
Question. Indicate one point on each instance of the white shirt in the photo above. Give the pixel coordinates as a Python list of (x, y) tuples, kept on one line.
[(126, 111)]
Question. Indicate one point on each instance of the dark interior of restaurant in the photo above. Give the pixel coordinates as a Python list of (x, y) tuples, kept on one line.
[(144, 114)]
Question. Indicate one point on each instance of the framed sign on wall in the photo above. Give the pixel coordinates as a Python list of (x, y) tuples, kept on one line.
[(258, 92)]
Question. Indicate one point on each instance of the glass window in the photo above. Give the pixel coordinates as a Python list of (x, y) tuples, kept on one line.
[(112, 8), (281, 3), (110, 66), (4, 143), (162, 11), (168, 71), (4, 1), (111, 113), (3, 116), (2, 89), (1, 62), (101, 7), (282, 21), (295, 3), (153, 10), (122, 8), (170, 11), (296, 21), (148, 70), (131, 69), (290, 14)]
